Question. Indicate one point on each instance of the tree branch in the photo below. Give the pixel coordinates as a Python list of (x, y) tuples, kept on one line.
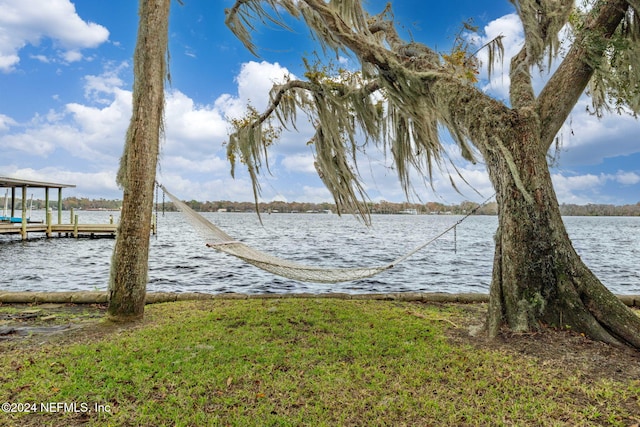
[(370, 52), (277, 93), (568, 83), (521, 89)]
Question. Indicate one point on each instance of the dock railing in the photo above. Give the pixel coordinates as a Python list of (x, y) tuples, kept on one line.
[(74, 228)]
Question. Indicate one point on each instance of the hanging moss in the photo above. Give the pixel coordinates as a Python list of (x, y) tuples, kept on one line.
[(346, 106), (406, 94)]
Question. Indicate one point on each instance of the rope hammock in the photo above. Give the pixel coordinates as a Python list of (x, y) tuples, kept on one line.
[(222, 242)]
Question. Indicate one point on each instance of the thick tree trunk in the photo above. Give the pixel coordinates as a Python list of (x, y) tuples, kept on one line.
[(129, 266), (538, 278)]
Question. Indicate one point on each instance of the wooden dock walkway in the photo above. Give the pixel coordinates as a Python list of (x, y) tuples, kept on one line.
[(60, 230), (72, 229), (20, 224)]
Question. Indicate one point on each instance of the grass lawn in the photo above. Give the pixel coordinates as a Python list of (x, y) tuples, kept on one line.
[(306, 362)]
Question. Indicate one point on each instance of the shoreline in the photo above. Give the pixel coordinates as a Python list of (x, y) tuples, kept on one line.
[(101, 297)]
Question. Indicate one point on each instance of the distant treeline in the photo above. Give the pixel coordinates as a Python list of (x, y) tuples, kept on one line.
[(600, 210), (72, 202), (376, 208)]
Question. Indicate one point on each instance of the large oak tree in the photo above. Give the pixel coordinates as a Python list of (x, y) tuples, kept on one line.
[(406, 92)]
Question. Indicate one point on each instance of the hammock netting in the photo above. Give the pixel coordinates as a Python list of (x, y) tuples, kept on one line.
[(222, 242)]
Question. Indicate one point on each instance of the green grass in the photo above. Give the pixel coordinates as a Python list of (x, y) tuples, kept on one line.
[(299, 362)]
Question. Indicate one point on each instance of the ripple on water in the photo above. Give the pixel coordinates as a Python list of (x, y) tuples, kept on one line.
[(180, 262)]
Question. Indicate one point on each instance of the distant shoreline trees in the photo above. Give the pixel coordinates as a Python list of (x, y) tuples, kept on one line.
[(382, 207)]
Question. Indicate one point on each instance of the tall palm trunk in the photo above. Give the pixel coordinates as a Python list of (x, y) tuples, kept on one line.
[(129, 266)]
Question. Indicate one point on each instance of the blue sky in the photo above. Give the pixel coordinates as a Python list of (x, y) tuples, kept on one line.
[(66, 79)]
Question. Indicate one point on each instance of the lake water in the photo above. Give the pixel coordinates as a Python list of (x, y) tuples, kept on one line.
[(179, 261)]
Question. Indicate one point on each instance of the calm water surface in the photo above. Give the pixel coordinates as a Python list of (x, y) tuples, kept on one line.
[(179, 261)]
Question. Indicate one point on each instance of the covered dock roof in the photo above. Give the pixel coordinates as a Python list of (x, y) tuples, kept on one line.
[(9, 214), (11, 224), (20, 183)]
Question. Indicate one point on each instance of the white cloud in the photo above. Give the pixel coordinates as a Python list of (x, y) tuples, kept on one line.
[(583, 135), (29, 21), (99, 88), (91, 134), (192, 127), (299, 163), (581, 189), (574, 189), (35, 142), (587, 140), (6, 122), (80, 143), (72, 56), (582, 182), (223, 188), (510, 27), (8, 60), (177, 164), (255, 81), (89, 184), (315, 194), (279, 198), (41, 58), (87, 138), (627, 178), (95, 130)]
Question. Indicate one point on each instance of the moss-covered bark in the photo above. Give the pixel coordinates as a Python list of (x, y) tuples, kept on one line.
[(538, 278), (129, 266)]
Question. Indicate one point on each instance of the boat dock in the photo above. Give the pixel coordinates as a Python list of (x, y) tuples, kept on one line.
[(74, 229), (23, 226)]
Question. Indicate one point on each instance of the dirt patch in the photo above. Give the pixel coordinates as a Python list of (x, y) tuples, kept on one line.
[(562, 349), (569, 354), (23, 325)]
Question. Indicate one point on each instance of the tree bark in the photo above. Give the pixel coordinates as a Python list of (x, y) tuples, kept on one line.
[(538, 278), (129, 266)]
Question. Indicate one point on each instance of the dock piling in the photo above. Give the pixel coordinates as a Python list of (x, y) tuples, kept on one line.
[(49, 214)]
